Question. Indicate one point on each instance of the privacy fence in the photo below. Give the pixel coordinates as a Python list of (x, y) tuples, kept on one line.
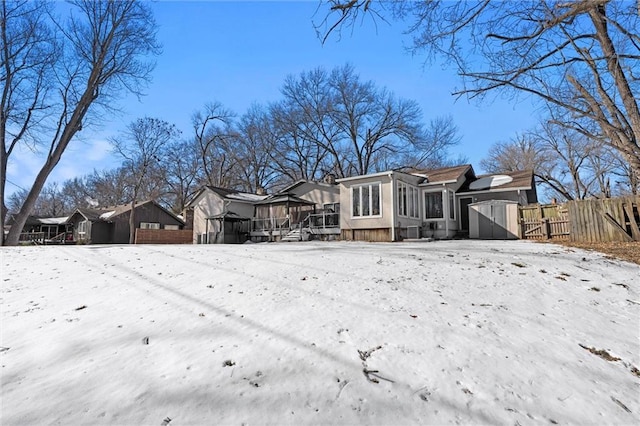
[(598, 220)]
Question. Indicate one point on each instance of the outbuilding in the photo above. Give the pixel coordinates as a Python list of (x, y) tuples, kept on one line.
[(494, 220)]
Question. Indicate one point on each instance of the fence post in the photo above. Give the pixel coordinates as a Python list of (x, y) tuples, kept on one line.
[(544, 222)]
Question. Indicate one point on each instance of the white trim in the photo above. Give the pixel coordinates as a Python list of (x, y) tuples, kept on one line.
[(487, 191), (410, 200), (393, 208), (380, 206), (438, 182), (380, 174), (424, 205)]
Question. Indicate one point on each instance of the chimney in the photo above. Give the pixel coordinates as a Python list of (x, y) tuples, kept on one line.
[(187, 216), (330, 179), (260, 190)]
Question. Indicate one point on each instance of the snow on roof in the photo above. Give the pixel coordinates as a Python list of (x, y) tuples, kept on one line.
[(53, 220), (244, 196), (107, 215)]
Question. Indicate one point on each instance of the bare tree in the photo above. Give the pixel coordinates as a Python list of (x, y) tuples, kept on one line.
[(522, 152), (102, 48), (372, 121), (108, 187), (181, 166), (251, 149), (212, 129), (583, 56), (142, 147), (28, 51), (564, 161), (432, 149), (308, 138), (346, 125), (298, 151)]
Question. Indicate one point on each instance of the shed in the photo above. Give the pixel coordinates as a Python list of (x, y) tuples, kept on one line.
[(494, 220)]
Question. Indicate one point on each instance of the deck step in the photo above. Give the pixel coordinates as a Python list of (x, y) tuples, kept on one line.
[(293, 235)]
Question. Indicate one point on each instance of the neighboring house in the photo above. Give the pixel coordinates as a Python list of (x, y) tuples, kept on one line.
[(301, 209), (220, 215), (395, 205), (110, 225), (45, 229)]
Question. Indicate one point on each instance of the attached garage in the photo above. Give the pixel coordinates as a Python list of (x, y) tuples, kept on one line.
[(494, 220)]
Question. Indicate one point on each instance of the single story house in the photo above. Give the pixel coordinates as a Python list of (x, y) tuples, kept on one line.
[(220, 215), (395, 205), (110, 225), (44, 229)]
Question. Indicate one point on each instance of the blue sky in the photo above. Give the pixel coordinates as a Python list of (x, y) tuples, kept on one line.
[(238, 53)]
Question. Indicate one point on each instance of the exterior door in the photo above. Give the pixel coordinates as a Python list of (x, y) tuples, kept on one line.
[(492, 221), (499, 216), (464, 213)]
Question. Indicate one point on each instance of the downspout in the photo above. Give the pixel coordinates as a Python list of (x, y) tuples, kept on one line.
[(448, 215), (206, 229), (393, 208)]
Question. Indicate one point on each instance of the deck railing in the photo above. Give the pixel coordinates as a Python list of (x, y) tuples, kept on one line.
[(269, 224), (324, 220), (313, 221), (32, 237)]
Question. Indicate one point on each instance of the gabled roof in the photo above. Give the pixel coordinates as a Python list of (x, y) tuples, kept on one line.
[(36, 220), (283, 198), (230, 216), (92, 215), (443, 175), (303, 181), (228, 194), (108, 213)]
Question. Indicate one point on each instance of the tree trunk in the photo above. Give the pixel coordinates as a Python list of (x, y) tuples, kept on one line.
[(70, 129), (27, 207), (3, 208)]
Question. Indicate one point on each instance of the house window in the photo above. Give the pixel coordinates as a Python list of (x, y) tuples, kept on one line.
[(407, 200), (82, 228), (149, 225), (331, 207), (172, 227), (452, 212), (433, 205), (365, 200)]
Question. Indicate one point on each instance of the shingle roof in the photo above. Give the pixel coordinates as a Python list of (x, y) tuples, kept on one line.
[(283, 198), (107, 213), (229, 194), (445, 174), (520, 179), (90, 214)]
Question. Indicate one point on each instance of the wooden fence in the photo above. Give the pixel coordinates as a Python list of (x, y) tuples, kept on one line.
[(164, 236), (544, 222), (597, 220)]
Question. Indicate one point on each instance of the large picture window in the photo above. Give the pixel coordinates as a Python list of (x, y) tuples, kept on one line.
[(365, 200), (408, 201), (433, 205)]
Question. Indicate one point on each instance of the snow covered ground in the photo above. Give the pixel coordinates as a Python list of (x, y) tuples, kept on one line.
[(468, 332)]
